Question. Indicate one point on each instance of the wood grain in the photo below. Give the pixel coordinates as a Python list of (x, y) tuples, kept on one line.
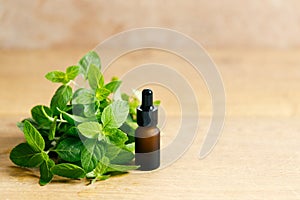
[(257, 156)]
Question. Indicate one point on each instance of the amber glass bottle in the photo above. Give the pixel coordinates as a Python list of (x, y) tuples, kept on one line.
[(147, 135)]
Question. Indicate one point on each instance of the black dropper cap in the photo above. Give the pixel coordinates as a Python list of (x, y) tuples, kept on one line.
[(147, 113)]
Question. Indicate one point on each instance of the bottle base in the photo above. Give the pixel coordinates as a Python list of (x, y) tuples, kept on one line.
[(147, 161)]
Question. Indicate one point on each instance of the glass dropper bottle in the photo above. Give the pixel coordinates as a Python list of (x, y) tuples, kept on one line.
[(147, 135)]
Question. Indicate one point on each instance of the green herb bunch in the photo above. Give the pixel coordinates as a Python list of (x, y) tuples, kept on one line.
[(83, 134)]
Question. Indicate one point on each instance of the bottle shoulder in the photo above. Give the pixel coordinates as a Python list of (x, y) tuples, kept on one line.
[(147, 131)]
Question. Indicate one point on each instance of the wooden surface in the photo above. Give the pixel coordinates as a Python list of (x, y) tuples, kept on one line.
[(257, 156)]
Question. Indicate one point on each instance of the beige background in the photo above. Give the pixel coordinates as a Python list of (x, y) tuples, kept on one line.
[(56, 23)]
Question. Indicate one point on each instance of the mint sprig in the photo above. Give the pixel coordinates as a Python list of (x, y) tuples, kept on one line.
[(63, 77), (82, 133)]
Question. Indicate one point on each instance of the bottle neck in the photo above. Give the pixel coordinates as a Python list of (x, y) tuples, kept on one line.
[(147, 118)]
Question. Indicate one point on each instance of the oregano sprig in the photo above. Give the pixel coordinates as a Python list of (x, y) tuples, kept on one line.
[(83, 133)]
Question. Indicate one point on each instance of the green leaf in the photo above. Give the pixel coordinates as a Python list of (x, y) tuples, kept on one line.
[(83, 96), (129, 127), (101, 166), (102, 93), (61, 77), (69, 149), (24, 156), (88, 59), (113, 85), (33, 137), (95, 77), (104, 166), (20, 125), (57, 77), (42, 115), (52, 129), (99, 171), (133, 104), (121, 168), (45, 171), (68, 170), (90, 175), (115, 114), (89, 110), (111, 150), (130, 147), (88, 161), (102, 177), (114, 78), (72, 131), (91, 154), (119, 155), (90, 129), (125, 96), (124, 157), (103, 104), (72, 72), (116, 136), (156, 103), (61, 98)]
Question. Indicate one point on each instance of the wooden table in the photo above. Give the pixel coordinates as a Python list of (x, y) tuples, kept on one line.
[(257, 156)]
